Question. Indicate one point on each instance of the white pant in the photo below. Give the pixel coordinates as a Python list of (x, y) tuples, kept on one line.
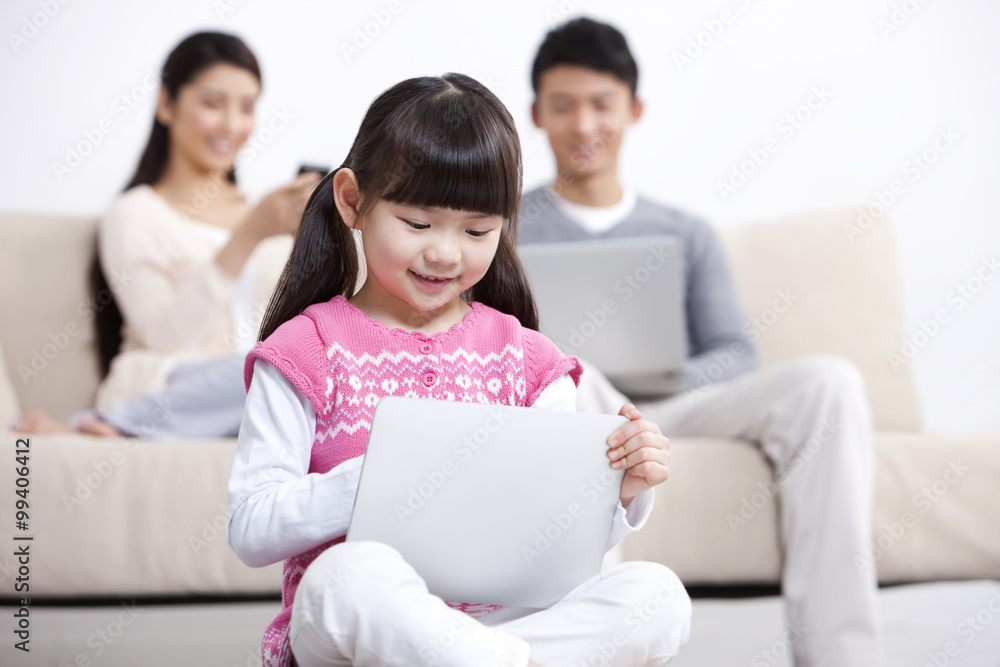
[(811, 419), (360, 603)]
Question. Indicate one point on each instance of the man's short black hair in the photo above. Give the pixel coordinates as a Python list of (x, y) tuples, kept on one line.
[(585, 42)]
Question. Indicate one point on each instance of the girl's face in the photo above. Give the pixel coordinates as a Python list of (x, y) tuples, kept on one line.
[(420, 260), (211, 118)]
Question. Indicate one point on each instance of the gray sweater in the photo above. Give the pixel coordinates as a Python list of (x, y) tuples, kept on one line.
[(719, 346)]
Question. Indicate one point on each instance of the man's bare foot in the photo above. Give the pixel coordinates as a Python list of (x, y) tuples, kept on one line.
[(36, 421)]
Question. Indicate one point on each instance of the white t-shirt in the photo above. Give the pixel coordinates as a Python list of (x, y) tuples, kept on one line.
[(597, 219)]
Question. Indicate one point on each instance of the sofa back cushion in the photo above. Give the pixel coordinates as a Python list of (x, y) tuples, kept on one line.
[(806, 285), (817, 283), (47, 328), (10, 407)]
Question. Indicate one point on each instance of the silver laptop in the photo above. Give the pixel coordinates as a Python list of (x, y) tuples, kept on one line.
[(617, 303), (489, 504)]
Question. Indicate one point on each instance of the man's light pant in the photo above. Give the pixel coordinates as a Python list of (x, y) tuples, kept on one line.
[(360, 603), (811, 419)]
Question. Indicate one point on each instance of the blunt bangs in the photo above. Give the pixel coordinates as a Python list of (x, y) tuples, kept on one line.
[(450, 151)]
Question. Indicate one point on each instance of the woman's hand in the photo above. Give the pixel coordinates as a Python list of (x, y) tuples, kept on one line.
[(281, 211), (642, 451), (278, 213)]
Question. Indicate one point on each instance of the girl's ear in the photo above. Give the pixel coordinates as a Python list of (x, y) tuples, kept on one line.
[(347, 196), (164, 109)]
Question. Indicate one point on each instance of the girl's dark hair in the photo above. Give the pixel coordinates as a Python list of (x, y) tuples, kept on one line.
[(585, 42), (445, 142), (190, 58)]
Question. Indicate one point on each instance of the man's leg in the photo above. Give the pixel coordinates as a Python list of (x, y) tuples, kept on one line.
[(812, 420)]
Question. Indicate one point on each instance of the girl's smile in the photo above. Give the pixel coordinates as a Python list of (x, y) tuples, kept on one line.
[(420, 259), (433, 283)]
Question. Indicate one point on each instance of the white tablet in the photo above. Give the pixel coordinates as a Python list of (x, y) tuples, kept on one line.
[(490, 504)]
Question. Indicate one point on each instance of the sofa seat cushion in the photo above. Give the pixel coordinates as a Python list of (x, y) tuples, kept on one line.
[(130, 517), (143, 518), (689, 530), (935, 515)]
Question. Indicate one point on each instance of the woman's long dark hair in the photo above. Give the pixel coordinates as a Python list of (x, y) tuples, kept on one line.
[(190, 58), (445, 142)]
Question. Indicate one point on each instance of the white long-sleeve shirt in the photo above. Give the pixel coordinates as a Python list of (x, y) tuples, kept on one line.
[(278, 509)]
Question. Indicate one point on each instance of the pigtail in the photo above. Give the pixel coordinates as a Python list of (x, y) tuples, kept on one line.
[(323, 262)]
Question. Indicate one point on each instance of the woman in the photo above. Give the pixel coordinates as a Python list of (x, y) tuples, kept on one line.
[(194, 262)]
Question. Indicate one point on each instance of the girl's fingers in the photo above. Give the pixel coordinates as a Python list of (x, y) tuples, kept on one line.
[(635, 442), (626, 457), (630, 430), (653, 472), (630, 411), (640, 449)]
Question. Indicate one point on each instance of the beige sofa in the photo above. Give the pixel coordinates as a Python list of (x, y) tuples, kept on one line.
[(119, 517)]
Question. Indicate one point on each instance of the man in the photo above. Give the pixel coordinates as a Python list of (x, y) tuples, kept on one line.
[(810, 417)]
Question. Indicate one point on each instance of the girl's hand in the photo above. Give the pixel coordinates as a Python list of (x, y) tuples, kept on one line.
[(281, 211), (642, 451)]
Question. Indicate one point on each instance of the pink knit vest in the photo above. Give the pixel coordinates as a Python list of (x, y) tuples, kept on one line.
[(344, 362)]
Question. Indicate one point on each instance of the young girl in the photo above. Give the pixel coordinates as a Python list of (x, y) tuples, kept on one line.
[(432, 186)]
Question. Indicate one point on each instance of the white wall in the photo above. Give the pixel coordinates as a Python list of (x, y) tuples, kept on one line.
[(889, 96)]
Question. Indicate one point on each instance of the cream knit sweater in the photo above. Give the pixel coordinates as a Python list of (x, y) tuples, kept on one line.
[(175, 300)]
